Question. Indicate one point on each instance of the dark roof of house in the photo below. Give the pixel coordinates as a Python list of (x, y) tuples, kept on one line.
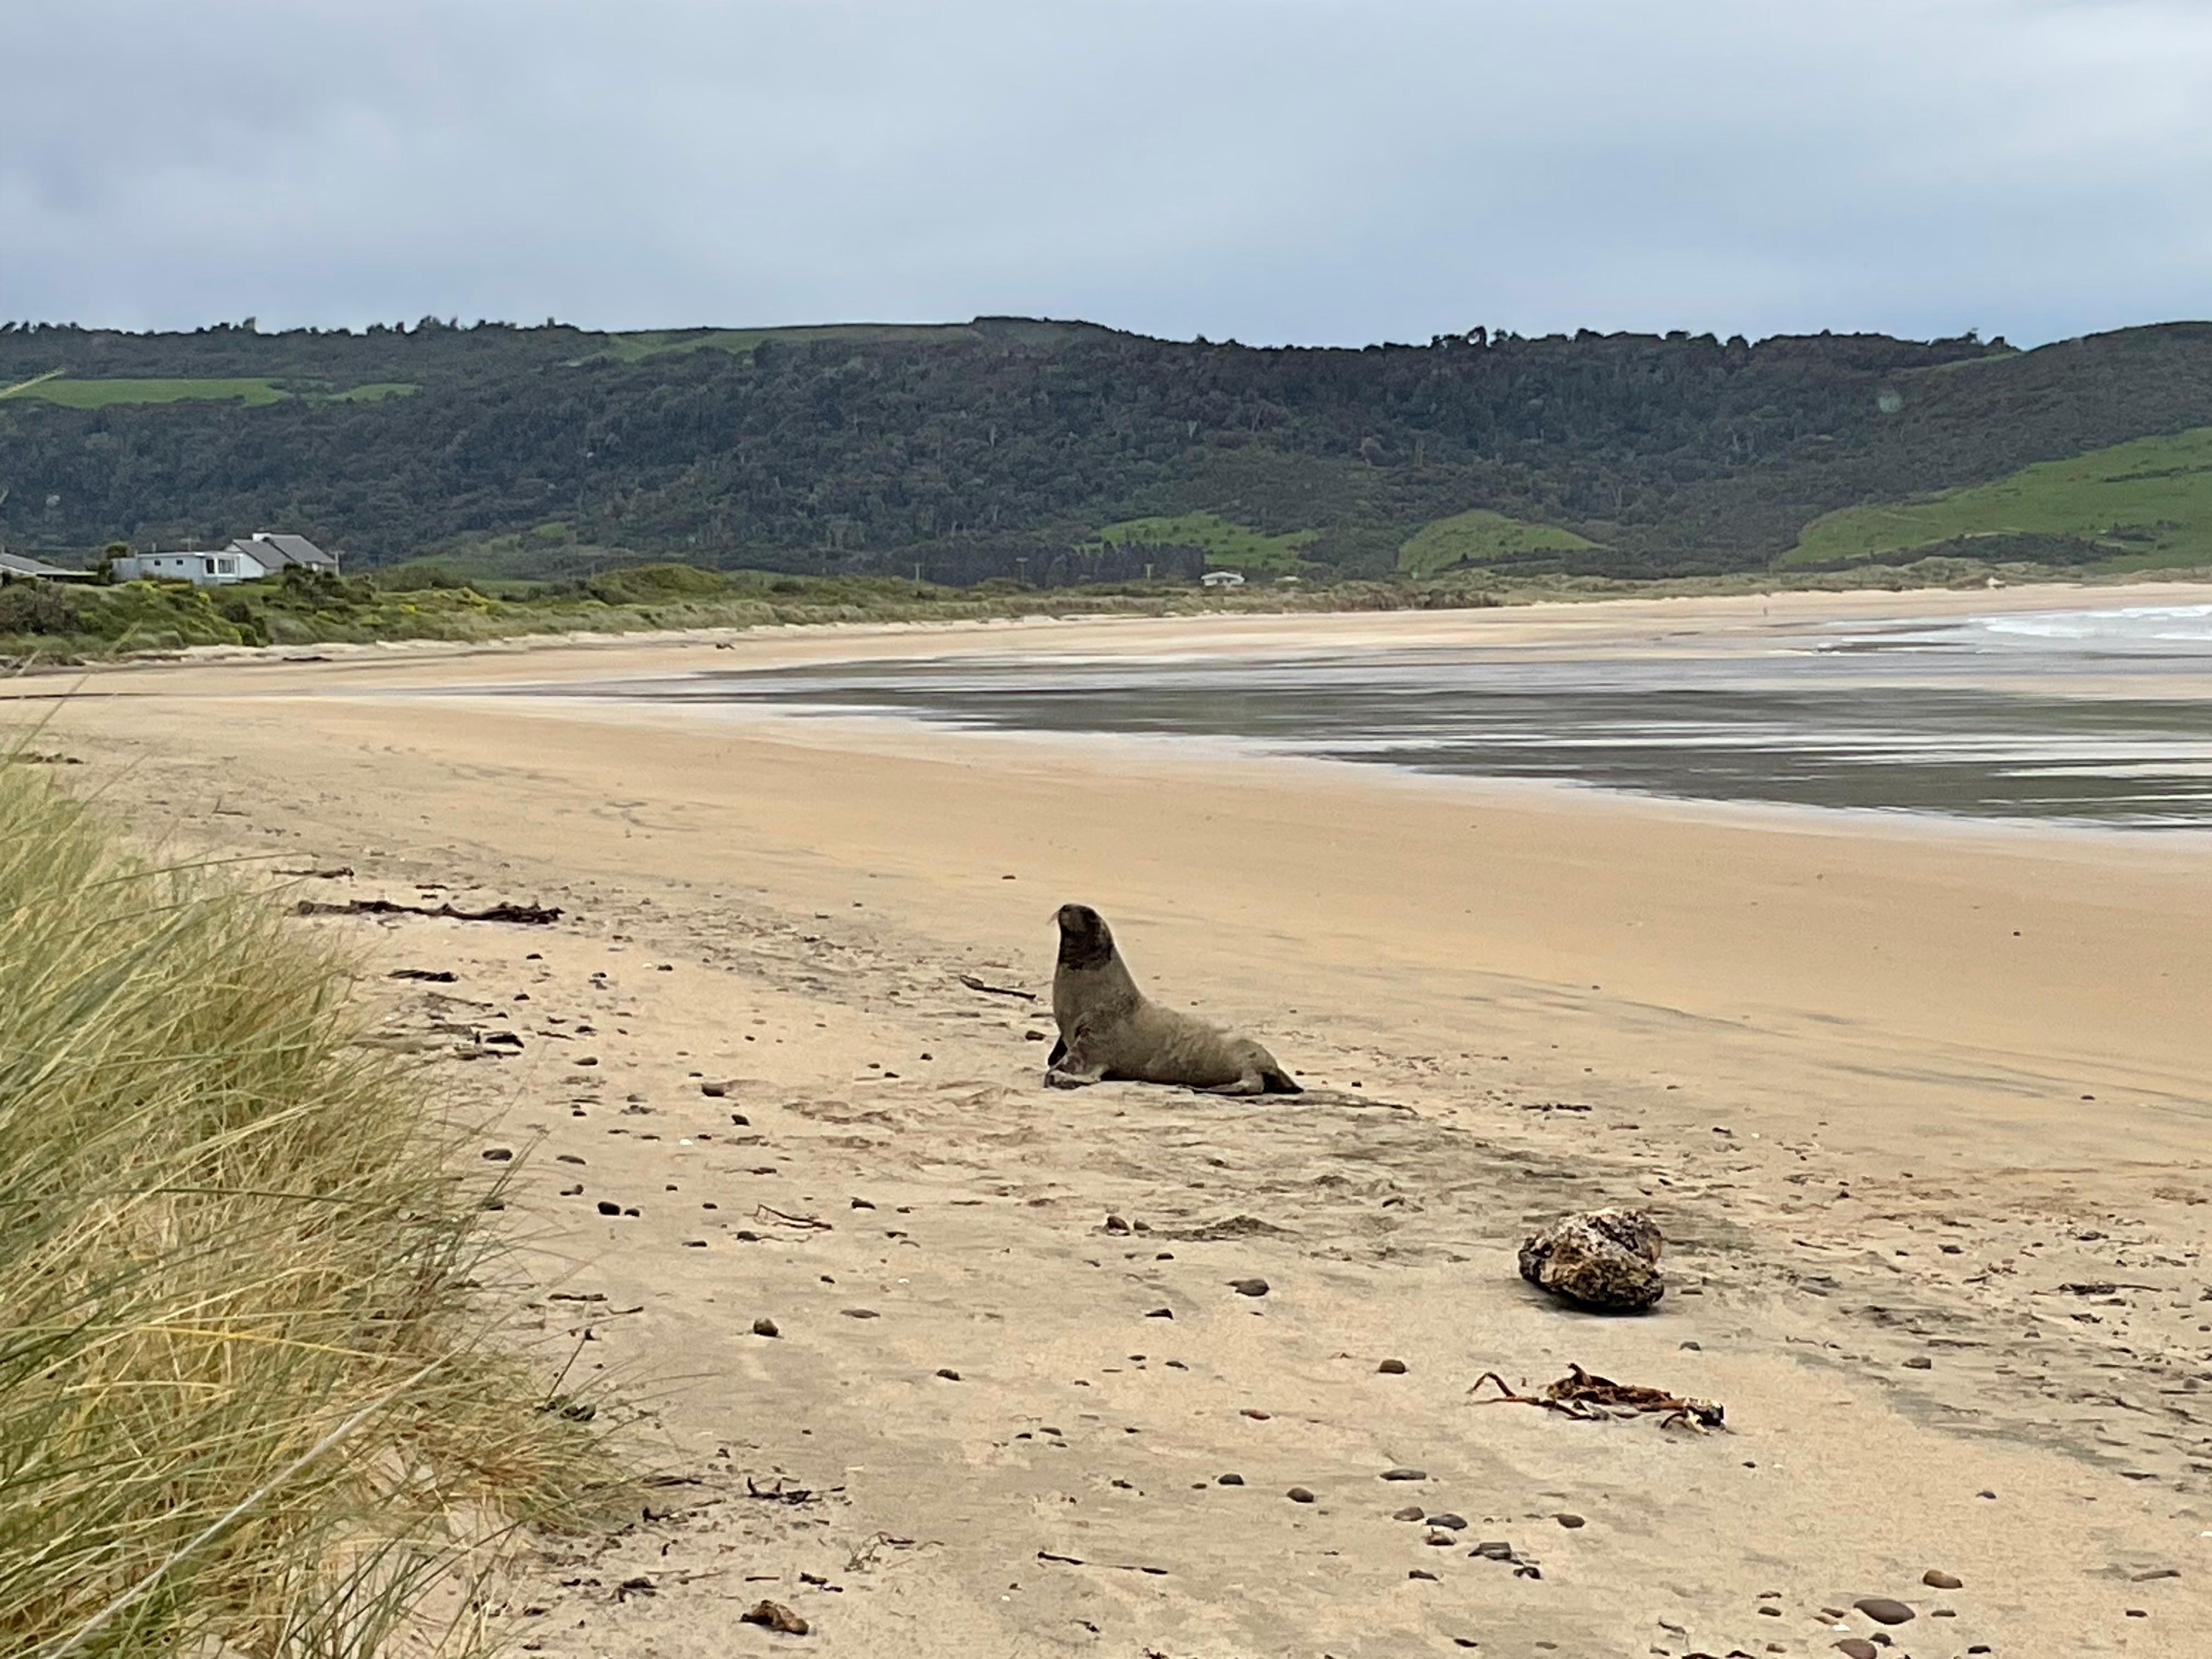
[(295, 550), (16, 565)]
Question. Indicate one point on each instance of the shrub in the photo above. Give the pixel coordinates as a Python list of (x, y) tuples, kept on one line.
[(37, 607), (246, 1403)]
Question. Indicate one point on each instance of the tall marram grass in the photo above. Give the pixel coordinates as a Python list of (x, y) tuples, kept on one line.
[(245, 1404)]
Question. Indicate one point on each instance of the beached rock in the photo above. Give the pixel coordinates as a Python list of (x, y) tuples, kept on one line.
[(1569, 1522), (1299, 1495), (1411, 1512), (1607, 1260), (1935, 1580), (1230, 1481), (1449, 1521), (1883, 1610), (765, 1326), (1405, 1474), (1392, 1368), (1248, 1286), (1857, 1647), (776, 1617)]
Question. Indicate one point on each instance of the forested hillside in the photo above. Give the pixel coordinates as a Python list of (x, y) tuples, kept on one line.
[(1063, 452)]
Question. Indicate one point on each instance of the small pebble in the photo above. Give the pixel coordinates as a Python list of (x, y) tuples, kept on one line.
[(1256, 1414), (1569, 1522), (1857, 1647), (1299, 1495), (1935, 1580), (1229, 1480), (497, 1154), (1392, 1368), (949, 1375), (606, 1208), (1883, 1610), (1161, 1313), (1416, 1573), (1920, 1363), (861, 1313), (1455, 1522), (1437, 1536), (1405, 1474), (765, 1326), (1411, 1512), (1248, 1286)]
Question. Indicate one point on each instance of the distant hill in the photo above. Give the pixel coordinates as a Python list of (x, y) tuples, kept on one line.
[(1068, 452)]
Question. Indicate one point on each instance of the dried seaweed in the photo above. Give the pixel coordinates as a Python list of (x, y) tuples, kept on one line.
[(1588, 1398)]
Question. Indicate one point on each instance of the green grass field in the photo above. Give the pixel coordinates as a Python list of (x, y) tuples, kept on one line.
[(2148, 503), (1227, 545), (1481, 538), (99, 394), (631, 347), (102, 394)]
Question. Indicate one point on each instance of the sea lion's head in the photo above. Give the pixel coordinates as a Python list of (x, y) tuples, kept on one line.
[(1085, 940)]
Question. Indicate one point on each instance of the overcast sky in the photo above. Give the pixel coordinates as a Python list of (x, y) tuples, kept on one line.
[(1264, 170)]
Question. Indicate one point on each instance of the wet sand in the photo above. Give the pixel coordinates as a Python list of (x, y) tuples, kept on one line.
[(1953, 1307)]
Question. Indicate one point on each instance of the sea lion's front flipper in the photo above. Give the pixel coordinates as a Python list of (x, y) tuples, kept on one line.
[(1059, 1052), (1249, 1084)]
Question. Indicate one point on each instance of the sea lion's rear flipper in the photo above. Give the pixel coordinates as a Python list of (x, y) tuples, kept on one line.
[(1275, 1081), (1059, 1052)]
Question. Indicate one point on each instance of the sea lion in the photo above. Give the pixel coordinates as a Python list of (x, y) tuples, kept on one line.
[(1110, 1030)]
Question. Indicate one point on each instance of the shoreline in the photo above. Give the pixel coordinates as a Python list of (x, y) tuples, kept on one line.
[(831, 641)]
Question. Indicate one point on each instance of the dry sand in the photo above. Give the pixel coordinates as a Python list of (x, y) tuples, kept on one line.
[(1923, 1114)]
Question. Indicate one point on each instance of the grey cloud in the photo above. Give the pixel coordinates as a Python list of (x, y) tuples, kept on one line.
[(1259, 169)]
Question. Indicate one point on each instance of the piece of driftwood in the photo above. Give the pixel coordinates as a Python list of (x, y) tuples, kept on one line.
[(527, 915), (341, 872), (975, 984), (1591, 1399)]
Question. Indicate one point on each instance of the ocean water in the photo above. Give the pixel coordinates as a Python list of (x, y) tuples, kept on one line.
[(2094, 716)]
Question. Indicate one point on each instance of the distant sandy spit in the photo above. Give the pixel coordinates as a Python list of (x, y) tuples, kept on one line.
[(1926, 1115)]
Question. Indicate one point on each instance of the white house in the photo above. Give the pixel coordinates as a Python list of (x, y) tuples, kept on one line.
[(1223, 579), (262, 554)]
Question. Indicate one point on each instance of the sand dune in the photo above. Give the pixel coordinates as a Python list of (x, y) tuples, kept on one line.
[(1924, 1115)]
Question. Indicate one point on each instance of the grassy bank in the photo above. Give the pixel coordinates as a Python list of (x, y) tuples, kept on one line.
[(44, 625), (246, 1405)]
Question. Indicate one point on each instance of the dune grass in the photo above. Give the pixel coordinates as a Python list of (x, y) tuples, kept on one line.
[(1481, 537), (2140, 505), (246, 1406)]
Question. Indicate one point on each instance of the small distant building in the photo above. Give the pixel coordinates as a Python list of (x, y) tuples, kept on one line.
[(264, 553), (16, 568), (1223, 579)]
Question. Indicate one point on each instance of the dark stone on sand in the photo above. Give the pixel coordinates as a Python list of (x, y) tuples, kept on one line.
[(949, 1374), (1935, 1580), (2155, 1572), (1403, 1474), (1569, 1522), (1256, 1413), (1415, 1572), (1411, 1512), (1161, 1313), (1299, 1495), (605, 1208), (1438, 1536), (765, 1326), (1229, 1480), (1447, 1519), (1248, 1286), (1496, 1549), (1920, 1363), (1857, 1647), (714, 1091), (1115, 1224), (861, 1313), (1392, 1368), (498, 1154), (1607, 1260), (1883, 1610), (776, 1617)]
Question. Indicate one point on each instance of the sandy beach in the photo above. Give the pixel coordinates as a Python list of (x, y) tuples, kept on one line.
[(1924, 1113)]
